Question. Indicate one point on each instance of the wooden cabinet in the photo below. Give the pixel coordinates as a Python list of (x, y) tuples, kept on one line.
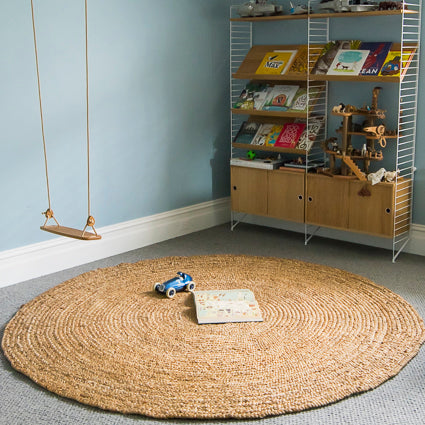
[(285, 195), (327, 201), (357, 206), (249, 190), (273, 193)]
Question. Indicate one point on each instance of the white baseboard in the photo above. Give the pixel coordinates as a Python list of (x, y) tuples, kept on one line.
[(31, 261), (416, 244)]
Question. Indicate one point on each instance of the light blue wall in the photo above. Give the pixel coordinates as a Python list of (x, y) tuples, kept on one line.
[(159, 113), (159, 97)]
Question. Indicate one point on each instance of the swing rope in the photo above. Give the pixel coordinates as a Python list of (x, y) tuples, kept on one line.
[(61, 230), (40, 104)]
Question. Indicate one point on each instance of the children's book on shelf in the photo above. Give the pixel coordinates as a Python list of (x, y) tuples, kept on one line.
[(246, 132), (378, 51), (280, 97), (348, 62), (309, 135), (329, 52), (276, 62), (252, 96), (274, 134), (301, 100), (265, 164), (300, 63), (262, 134), (392, 63), (223, 306), (290, 135)]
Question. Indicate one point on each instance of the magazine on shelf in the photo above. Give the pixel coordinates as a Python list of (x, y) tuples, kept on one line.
[(348, 62), (276, 62), (378, 51), (223, 306), (265, 164), (280, 97)]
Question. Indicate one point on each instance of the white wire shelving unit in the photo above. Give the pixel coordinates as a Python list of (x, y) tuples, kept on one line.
[(318, 33)]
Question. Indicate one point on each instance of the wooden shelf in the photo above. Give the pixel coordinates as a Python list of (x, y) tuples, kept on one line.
[(355, 157), (275, 114), (325, 15), (248, 68), (268, 148)]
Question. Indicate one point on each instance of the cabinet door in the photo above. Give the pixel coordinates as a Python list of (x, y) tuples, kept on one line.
[(249, 190), (286, 195), (327, 201), (371, 208)]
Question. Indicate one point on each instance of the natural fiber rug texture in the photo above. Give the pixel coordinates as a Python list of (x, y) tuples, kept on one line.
[(106, 339)]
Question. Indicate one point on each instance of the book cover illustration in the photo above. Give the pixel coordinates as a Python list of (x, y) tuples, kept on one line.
[(223, 306), (276, 62), (300, 101), (246, 132), (378, 51), (392, 63), (348, 62), (252, 96), (290, 135), (329, 52), (300, 62), (262, 134), (280, 97), (273, 134), (310, 133)]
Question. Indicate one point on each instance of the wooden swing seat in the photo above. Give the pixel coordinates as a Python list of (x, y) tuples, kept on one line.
[(71, 233)]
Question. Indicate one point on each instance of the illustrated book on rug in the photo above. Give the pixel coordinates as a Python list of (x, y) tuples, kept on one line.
[(223, 306), (348, 62), (276, 62)]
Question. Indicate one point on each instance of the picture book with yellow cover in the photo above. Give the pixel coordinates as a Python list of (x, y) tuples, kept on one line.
[(276, 62), (392, 63)]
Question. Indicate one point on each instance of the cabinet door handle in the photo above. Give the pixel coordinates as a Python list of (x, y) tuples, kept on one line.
[(235, 188), (300, 197), (310, 199)]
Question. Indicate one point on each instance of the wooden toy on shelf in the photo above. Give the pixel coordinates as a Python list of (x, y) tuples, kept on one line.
[(372, 129)]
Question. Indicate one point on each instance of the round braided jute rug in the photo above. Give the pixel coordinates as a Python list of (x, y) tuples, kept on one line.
[(106, 339)]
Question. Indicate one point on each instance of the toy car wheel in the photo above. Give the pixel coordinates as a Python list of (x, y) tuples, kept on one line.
[(170, 292), (190, 286), (156, 285)]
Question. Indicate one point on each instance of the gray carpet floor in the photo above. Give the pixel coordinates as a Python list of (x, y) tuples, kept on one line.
[(399, 401)]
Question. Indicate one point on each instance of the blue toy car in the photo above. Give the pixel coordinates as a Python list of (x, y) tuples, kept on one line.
[(179, 283)]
